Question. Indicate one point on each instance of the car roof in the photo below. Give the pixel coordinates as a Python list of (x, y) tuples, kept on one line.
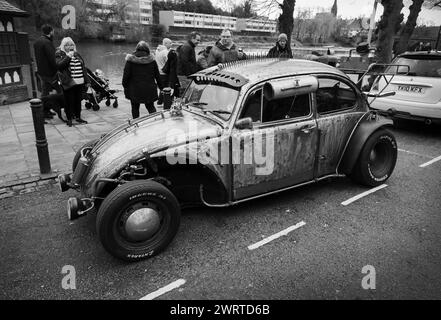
[(256, 70)]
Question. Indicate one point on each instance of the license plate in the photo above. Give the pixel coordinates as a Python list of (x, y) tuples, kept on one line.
[(411, 89)]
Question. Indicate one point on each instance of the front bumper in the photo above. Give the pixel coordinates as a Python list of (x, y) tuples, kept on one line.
[(396, 114), (411, 110)]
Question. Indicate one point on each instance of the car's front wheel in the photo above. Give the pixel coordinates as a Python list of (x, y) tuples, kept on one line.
[(377, 159), (138, 219)]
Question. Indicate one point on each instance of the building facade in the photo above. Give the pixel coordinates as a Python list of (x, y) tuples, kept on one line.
[(173, 20), (135, 11), (14, 56)]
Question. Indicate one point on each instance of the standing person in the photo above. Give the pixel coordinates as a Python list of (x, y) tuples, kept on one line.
[(73, 78), (225, 50), (163, 53), (281, 49), (141, 79), (187, 59), (171, 80), (47, 70)]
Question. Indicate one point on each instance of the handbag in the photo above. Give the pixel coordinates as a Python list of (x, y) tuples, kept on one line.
[(66, 81)]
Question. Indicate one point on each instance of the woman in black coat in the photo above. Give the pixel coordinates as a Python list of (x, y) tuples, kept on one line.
[(141, 79)]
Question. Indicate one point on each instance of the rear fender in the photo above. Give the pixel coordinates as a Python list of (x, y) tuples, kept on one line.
[(369, 123)]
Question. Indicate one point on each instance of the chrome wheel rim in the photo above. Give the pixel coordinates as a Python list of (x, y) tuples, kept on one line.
[(141, 223)]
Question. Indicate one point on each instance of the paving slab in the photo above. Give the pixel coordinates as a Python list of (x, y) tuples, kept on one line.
[(19, 164)]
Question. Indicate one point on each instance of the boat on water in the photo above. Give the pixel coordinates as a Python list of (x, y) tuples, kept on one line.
[(117, 37)]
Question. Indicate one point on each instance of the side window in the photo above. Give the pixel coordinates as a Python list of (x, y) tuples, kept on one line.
[(334, 95), (286, 108), (253, 106)]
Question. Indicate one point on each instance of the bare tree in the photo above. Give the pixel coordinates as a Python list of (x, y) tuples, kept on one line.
[(300, 23), (407, 29), (286, 17), (387, 27)]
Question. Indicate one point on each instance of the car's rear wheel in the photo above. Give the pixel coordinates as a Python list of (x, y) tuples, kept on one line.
[(78, 154), (377, 159), (137, 220)]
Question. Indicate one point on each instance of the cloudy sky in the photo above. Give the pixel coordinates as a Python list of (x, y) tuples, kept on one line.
[(353, 9)]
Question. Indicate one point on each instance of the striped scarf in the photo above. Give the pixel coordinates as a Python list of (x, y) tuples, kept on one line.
[(76, 70)]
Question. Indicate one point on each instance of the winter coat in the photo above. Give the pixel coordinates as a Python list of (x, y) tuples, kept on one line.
[(278, 52), (141, 78), (63, 61), (170, 69), (45, 57), (220, 54), (187, 59)]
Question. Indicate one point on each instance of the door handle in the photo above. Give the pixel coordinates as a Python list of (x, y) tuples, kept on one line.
[(308, 128)]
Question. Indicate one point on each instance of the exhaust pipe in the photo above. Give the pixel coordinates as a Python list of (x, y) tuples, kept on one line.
[(428, 122), (78, 207)]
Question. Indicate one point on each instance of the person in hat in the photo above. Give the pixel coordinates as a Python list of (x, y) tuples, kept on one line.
[(281, 49), (141, 79)]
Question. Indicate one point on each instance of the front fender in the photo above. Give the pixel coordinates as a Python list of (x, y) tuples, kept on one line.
[(369, 123)]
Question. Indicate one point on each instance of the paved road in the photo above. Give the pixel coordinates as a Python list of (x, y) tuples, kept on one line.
[(397, 230)]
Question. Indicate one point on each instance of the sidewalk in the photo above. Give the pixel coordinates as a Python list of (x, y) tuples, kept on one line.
[(19, 168)]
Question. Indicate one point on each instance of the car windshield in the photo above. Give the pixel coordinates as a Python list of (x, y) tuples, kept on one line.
[(421, 66), (217, 100)]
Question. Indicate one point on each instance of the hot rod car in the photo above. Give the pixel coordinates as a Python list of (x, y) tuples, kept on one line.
[(242, 130)]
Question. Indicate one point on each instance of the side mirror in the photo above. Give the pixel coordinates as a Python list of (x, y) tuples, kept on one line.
[(245, 123), (380, 95)]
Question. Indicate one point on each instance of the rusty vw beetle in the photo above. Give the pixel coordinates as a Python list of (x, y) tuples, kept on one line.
[(241, 131)]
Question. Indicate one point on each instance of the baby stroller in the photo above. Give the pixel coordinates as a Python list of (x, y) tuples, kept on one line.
[(99, 90)]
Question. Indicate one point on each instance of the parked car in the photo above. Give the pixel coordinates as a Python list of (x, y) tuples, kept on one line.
[(417, 87), (241, 131)]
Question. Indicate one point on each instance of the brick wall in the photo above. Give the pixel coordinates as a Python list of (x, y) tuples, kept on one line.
[(14, 93)]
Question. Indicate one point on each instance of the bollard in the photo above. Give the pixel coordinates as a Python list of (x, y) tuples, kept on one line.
[(40, 136), (167, 98)]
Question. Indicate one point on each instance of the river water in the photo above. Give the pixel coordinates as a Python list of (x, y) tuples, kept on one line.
[(109, 57)]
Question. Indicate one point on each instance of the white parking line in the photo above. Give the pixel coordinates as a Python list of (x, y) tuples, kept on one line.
[(163, 290), (430, 162), (415, 153), (275, 236), (361, 195)]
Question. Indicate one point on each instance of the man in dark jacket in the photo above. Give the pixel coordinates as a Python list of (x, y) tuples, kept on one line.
[(225, 50), (47, 71), (281, 49), (187, 59)]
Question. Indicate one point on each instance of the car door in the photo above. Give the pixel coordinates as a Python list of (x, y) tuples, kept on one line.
[(338, 110), (284, 133)]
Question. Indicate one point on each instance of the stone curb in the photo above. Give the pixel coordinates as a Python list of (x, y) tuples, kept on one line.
[(27, 183)]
